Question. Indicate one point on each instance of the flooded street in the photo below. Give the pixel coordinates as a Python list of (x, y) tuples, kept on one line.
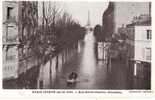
[(84, 63), (91, 74), (94, 74)]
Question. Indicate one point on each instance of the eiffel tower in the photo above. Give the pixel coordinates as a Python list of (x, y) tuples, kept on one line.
[(88, 26), (88, 22)]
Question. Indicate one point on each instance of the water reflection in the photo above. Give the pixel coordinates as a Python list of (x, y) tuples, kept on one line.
[(92, 73), (84, 63), (88, 63)]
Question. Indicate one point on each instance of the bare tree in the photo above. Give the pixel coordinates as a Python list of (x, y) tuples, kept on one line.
[(58, 28)]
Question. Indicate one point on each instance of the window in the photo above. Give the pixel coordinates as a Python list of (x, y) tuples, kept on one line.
[(9, 12), (41, 84), (11, 34), (148, 53), (149, 34), (10, 56)]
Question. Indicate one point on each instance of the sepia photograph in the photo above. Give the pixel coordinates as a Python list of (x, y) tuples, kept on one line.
[(76, 45)]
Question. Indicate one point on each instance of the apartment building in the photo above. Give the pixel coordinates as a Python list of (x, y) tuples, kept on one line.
[(139, 39), (19, 24), (10, 40)]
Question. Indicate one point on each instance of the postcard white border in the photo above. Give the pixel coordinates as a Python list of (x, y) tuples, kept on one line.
[(23, 94)]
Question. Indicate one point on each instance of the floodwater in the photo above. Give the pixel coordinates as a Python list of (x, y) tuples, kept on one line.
[(92, 73)]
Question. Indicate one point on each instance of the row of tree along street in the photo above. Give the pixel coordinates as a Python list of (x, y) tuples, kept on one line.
[(57, 31), (46, 30)]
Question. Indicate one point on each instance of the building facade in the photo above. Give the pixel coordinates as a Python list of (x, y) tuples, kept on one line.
[(139, 41), (120, 14), (133, 21), (10, 39), (108, 23), (19, 25)]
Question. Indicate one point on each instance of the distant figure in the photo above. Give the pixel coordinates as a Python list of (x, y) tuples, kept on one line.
[(73, 75), (72, 78)]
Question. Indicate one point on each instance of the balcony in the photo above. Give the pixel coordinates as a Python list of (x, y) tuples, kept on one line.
[(10, 40), (148, 58), (11, 19), (10, 70)]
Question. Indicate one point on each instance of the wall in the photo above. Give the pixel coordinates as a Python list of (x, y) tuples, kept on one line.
[(141, 43), (10, 41), (108, 23)]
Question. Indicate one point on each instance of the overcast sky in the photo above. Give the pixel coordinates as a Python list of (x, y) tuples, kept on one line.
[(79, 11)]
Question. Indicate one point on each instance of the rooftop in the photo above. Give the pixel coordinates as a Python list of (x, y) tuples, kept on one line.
[(140, 23)]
